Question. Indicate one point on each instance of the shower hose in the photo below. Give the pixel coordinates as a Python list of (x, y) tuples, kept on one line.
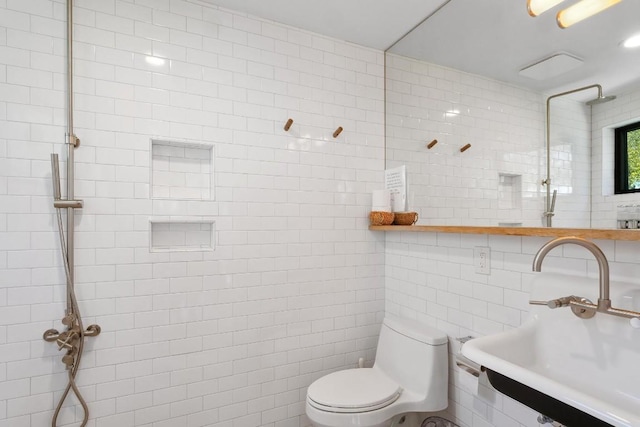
[(71, 309)]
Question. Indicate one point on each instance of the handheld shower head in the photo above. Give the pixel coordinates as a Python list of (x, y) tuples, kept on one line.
[(55, 176)]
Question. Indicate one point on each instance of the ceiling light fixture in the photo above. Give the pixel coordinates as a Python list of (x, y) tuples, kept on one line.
[(631, 42), (574, 13), (537, 7), (582, 10)]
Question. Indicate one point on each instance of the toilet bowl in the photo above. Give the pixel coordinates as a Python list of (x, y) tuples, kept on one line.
[(410, 374)]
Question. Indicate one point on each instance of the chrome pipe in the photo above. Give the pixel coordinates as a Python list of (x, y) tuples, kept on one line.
[(69, 72), (70, 151), (547, 181)]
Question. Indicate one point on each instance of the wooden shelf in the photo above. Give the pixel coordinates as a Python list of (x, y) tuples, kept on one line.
[(587, 233)]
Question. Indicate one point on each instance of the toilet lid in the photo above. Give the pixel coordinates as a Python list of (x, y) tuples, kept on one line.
[(353, 390)]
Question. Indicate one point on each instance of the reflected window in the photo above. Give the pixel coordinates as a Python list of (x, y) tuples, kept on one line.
[(627, 159)]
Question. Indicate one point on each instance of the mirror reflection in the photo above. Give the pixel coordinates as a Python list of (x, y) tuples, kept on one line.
[(478, 75)]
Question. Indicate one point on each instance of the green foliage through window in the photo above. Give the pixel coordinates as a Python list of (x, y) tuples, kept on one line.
[(627, 159), (633, 157)]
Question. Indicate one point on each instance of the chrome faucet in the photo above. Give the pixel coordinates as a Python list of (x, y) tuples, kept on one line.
[(581, 306), (603, 264)]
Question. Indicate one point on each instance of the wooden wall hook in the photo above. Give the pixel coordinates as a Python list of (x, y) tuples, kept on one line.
[(465, 148), (432, 143), (337, 132), (287, 125)]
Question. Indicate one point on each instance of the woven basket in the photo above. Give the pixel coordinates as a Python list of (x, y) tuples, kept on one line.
[(405, 218), (380, 218)]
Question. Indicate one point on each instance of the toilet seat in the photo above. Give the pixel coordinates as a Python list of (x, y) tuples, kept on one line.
[(353, 390)]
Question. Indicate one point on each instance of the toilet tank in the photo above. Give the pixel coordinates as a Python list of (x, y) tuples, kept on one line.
[(416, 356)]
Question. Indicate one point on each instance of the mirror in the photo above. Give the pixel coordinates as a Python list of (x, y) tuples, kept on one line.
[(478, 74)]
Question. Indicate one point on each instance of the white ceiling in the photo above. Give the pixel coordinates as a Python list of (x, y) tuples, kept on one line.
[(497, 38), (494, 38), (372, 23)]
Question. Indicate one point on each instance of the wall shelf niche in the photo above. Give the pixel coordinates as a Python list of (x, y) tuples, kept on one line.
[(181, 235)]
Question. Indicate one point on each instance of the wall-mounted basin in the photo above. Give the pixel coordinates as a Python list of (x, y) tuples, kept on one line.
[(590, 365)]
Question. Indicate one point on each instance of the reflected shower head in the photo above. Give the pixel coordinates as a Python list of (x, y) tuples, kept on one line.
[(600, 100)]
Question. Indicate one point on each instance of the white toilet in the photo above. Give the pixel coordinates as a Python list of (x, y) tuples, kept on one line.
[(410, 374)]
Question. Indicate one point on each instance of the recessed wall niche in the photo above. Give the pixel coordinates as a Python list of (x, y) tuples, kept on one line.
[(509, 200), (181, 170), (509, 191), (182, 235)]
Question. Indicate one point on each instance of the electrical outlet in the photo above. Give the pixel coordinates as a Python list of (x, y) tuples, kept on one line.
[(482, 259)]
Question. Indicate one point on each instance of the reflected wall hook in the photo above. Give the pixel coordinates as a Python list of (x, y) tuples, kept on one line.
[(337, 132), (432, 143), (465, 148), (287, 125)]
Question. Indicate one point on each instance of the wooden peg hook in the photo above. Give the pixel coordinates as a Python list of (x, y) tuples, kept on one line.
[(465, 148), (338, 132), (432, 143), (287, 125)]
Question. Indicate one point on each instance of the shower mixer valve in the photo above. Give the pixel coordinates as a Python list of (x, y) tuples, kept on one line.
[(68, 340)]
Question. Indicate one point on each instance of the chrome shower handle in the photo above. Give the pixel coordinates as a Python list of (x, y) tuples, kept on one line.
[(55, 176)]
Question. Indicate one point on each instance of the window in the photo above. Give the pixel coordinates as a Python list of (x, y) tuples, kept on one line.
[(627, 159)]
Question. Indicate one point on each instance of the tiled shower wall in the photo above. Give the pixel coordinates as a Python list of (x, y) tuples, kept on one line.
[(294, 288), (431, 277), (504, 125), (570, 153), (619, 112)]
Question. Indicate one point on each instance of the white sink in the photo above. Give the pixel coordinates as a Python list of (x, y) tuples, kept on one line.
[(592, 365)]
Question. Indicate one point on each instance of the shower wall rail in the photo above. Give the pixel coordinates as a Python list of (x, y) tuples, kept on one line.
[(71, 340)]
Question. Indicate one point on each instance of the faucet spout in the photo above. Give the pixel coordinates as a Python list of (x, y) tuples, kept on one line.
[(582, 307), (604, 301)]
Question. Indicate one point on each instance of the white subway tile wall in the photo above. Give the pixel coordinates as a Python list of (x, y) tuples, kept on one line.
[(295, 286), (606, 117), (570, 155), (181, 171), (431, 277), (503, 123)]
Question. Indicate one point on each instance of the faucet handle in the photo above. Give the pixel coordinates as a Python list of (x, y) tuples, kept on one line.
[(635, 322), (68, 320), (538, 302), (555, 303)]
